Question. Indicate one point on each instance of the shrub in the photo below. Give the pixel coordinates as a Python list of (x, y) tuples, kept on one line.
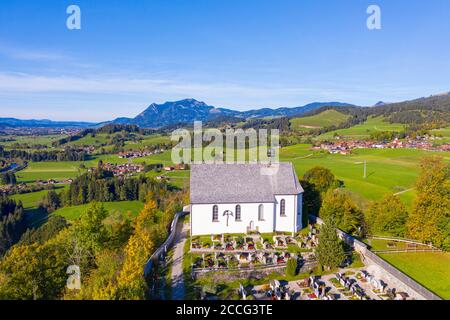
[(291, 268)]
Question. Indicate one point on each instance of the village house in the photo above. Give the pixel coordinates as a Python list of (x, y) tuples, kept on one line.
[(244, 198), (119, 170)]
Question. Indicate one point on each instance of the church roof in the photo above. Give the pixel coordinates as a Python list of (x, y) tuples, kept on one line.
[(242, 183)]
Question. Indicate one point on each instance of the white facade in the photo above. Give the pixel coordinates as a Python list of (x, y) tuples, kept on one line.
[(272, 219)]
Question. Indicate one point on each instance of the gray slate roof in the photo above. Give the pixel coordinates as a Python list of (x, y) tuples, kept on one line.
[(242, 183)]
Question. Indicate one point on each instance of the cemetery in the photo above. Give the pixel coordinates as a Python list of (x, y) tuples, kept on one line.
[(355, 284), (238, 251), (265, 257)]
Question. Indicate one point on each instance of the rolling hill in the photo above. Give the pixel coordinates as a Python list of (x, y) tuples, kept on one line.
[(323, 119)]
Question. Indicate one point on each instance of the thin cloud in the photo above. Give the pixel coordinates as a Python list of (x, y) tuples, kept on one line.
[(23, 83), (30, 54)]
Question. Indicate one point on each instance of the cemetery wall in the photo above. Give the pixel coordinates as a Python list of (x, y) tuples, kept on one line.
[(260, 272), (382, 269)]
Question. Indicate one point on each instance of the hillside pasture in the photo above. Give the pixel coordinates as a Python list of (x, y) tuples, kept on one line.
[(122, 207), (363, 131), (323, 119)]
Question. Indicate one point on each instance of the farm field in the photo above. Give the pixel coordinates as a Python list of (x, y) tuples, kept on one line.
[(388, 170), (123, 207), (33, 140), (49, 170), (431, 269), (147, 141), (324, 119), (64, 169), (364, 130)]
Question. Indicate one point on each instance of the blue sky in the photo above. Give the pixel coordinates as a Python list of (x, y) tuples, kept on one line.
[(239, 54)]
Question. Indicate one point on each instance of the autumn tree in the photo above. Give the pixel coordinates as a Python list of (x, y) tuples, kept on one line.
[(347, 216), (387, 217), (140, 246), (330, 251), (33, 272), (430, 218)]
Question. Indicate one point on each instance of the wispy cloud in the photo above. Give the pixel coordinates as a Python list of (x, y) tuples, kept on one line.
[(23, 82), (30, 54), (226, 94)]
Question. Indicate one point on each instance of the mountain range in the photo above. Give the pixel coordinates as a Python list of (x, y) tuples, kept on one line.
[(189, 110), (45, 123)]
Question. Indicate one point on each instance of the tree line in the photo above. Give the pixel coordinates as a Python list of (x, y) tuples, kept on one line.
[(12, 223), (68, 154)]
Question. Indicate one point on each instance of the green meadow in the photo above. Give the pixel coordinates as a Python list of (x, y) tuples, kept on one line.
[(89, 140), (147, 141), (431, 269), (364, 130), (323, 119), (71, 169), (389, 171), (49, 170), (122, 207), (33, 140)]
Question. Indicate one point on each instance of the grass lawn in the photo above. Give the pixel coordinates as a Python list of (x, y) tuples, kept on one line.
[(73, 213), (431, 269), (364, 130), (324, 119)]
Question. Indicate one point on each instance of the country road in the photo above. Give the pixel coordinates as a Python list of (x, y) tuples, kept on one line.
[(177, 283)]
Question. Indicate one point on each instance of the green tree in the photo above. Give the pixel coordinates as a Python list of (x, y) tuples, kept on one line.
[(316, 182), (291, 267), (387, 217), (8, 178), (330, 251), (322, 178), (347, 216), (90, 230), (48, 230), (51, 201), (429, 220)]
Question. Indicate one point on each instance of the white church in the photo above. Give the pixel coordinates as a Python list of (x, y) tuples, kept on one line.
[(244, 198)]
